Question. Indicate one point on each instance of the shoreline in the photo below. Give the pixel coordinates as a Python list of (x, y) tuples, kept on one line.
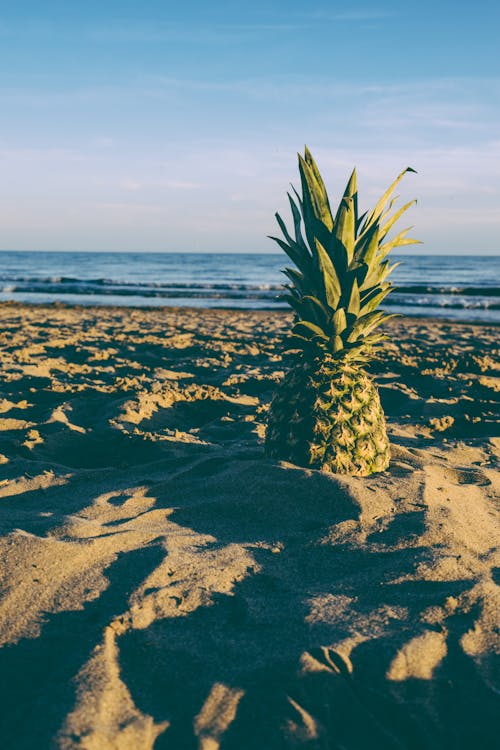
[(226, 309), (164, 584)]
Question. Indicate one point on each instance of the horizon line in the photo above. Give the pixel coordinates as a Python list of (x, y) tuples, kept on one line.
[(407, 253)]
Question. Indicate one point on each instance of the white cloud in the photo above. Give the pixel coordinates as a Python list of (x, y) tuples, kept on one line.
[(130, 186)]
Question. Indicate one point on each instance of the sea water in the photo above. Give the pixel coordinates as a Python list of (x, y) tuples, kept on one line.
[(457, 287)]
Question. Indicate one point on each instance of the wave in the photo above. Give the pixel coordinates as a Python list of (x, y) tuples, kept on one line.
[(66, 283), (269, 295), (476, 303), (466, 291), (100, 286), (172, 291)]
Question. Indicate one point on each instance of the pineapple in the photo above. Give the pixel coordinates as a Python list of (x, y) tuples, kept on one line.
[(326, 413)]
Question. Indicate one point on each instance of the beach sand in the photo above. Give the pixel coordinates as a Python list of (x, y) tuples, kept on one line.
[(165, 585)]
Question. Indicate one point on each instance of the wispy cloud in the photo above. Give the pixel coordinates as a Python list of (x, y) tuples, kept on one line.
[(32, 156), (450, 91), (191, 34), (355, 15), (135, 186), (209, 29), (217, 32), (457, 92)]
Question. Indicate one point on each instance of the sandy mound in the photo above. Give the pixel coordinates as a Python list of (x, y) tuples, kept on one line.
[(164, 585)]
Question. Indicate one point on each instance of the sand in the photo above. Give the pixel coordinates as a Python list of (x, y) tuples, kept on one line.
[(165, 585)]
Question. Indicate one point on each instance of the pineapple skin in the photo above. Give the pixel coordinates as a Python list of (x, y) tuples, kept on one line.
[(326, 414)]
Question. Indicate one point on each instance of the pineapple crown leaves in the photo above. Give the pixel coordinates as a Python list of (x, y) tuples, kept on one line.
[(341, 273)]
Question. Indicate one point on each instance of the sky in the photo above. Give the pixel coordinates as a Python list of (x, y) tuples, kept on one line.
[(175, 126)]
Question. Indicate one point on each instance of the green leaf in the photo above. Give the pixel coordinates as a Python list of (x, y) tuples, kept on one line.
[(320, 195), (365, 324), (309, 330), (339, 321), (345, 225), (297, 219), (354, 300), (360, 221), (367, 246), (375, 300), (398, 241), (331, 283), (338, 256), (310, 220), (388, 209), (300, 248), (296, 278), (292, 252), (347, 216), (376, 339), (321, 310), (390, 223), (377, 211), (314, 197), (295, 304), (390, 269), (306, 309), (283, 228), (360, 272), (377, 275)]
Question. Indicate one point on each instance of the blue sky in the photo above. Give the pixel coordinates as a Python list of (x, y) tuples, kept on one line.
[(175, 126)]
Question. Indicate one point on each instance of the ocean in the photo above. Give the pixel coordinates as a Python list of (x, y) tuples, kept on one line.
[(461, 287)]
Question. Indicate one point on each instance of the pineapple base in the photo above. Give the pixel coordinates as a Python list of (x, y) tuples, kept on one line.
[(326, 414)]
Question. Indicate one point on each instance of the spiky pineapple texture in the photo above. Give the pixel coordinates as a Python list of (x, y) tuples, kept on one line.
[(327, 414), (327, 411)]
